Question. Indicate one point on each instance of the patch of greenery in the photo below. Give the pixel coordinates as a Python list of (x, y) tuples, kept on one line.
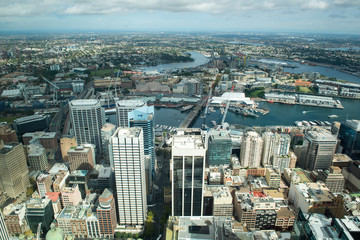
[(257, 92)]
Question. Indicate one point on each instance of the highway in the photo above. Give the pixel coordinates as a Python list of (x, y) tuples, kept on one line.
[(63, 113)]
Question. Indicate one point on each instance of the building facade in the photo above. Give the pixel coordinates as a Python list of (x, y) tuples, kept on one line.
[(87, 119), (187, 172), (219, 148), (106, 213), (123, 107), (13, 170), (349, 135), (127, 155), (318, 149), (82, 157), (251, 149)]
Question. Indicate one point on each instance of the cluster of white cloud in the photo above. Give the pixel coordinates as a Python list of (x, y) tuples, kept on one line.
[(107, 7)]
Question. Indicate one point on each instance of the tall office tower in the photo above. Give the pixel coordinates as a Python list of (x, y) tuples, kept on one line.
[(349, 135), (37, 157), (106, 213), (87, 119), (251, 149), (82, 157), (219, 148), (269, 139), (67, 142), (13, 170), (127, 155), (318, 149), (144, 118), (106, 132), (123, 107), (39, 211), (275, 145), (187, 172), (4, 234)]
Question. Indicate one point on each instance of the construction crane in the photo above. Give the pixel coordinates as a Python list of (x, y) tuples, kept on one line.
[(227, 108), (55, 87)]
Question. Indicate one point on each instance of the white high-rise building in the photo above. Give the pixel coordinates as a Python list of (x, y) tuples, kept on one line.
[(128, 161), (187, 171), (87, 118), (251, 149), (123, 107), (276, 150)]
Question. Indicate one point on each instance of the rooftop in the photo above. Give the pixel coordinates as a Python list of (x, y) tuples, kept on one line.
[(84, 102), (41, 134), (8, 147), (130, 103), (188, 142)]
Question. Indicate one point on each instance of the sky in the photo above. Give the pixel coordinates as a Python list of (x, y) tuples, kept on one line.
[(307, 16)]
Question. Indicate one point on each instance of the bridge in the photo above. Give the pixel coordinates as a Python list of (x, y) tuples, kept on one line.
[(190, 118)]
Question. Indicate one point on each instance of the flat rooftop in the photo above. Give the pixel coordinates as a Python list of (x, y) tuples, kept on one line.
[(188, 142), (84, 102), (130, 103)]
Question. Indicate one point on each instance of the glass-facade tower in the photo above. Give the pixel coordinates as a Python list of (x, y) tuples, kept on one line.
[(349, 135), (219, 148), (187, 166)]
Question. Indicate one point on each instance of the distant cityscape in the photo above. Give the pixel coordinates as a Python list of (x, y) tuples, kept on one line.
[(179, 136)]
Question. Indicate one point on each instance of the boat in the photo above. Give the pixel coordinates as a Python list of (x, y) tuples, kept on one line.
[(298, 124), (213, 123), (269, 101), (333, 116), (306, 123), (185, 108), (312, 123), (211, 109), (327, 123)]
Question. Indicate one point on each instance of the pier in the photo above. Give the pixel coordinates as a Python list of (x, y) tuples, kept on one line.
[(193, 114)]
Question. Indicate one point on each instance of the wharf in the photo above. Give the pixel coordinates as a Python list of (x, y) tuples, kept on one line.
[(191, 117)]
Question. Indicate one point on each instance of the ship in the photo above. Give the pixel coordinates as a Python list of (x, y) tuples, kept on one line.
[(333, 116), (185, 108)]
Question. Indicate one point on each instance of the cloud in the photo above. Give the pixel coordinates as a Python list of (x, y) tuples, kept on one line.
[(109, 7)]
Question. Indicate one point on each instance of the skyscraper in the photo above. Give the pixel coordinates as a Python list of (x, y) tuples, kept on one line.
[(275, 145), (349, 135), (4, 234), (251, 148), (127, 157), (123, 107), (13, 169), (219, 148), (87, 119), (187, 167), (318, 149), (144, 118)]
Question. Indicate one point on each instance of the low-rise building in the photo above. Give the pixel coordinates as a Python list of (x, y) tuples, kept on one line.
[(71, 196), (15, 221)]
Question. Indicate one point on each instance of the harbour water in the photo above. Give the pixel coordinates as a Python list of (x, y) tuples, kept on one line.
[(280, 114), (199, 59), (326, 71)]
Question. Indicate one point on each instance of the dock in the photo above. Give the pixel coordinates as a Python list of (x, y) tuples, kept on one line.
[(191, 117)]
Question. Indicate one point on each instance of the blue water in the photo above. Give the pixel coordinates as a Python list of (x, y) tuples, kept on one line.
[(280, 114), (199, 59), (329, 72)]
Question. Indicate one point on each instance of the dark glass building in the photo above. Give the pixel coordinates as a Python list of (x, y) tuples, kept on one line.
[(39, 211), (188, 162), (349, 135)]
